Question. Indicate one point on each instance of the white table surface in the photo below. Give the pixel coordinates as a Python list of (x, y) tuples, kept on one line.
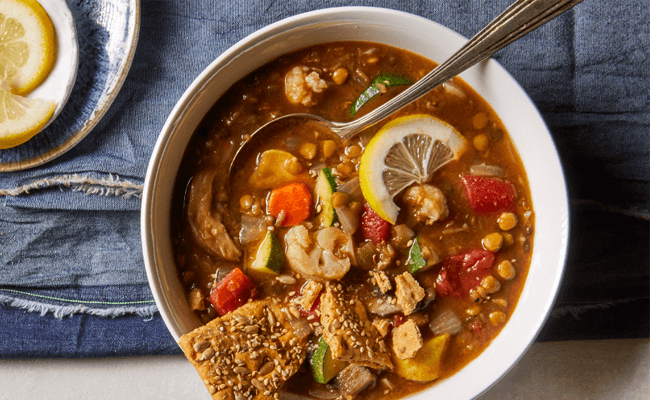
[(609, 369)]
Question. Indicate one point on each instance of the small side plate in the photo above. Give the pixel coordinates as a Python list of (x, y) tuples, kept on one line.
[(107, 35)]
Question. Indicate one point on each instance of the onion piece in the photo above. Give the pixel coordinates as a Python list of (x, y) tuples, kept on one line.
[(454, 90), (291, 143), (301, 328), (365, 255), (486, 170), (349, 220), (252, 229), (352, 188), (382, 306), (445, 321)]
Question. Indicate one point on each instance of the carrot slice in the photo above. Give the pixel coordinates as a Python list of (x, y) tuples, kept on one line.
[(293, 201)]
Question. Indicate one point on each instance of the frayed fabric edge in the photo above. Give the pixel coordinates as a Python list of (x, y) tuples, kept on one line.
[(111, 186), (60, 312)]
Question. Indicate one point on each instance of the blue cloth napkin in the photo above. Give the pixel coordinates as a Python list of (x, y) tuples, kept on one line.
[(72, 280)]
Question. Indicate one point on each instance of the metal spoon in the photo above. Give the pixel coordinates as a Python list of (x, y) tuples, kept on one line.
[(517, 20)]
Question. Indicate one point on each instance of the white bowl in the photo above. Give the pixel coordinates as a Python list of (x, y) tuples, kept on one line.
[(419, 35)]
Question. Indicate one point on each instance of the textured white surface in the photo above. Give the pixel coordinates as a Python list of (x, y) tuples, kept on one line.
[(596, 370)]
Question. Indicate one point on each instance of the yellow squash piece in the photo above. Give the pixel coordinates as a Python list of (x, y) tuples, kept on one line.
[(427, 363), (272, 172), (27, 45)]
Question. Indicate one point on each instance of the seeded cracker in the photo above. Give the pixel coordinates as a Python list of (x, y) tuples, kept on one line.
[(241, 356), (349, 333), (408, 292)]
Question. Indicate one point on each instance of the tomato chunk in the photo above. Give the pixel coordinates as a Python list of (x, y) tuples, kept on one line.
[(293, 200), (488, 195), (398, 319), (463, 272), (373, 227), (232, 292)]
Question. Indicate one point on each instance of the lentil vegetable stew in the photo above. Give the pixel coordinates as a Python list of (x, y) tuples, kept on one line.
[(362, 269)]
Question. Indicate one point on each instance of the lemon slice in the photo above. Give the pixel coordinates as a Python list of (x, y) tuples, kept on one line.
[(21, 118), (406, 150), (27, 45)]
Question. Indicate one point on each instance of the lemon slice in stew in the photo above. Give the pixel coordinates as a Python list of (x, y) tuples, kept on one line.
[(406, 150), (27, 45), (21, 118)]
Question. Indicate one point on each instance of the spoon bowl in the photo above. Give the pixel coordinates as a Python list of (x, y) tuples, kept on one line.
[(516, 21)]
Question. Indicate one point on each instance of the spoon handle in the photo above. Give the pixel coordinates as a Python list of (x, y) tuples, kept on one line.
[(517, 20)]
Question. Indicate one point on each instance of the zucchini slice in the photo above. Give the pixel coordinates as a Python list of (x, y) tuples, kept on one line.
[(323, 366), (325, 186), (270, 257)]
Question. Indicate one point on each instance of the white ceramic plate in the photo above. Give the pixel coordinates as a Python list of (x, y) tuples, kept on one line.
[(107, 35), (433, 41)]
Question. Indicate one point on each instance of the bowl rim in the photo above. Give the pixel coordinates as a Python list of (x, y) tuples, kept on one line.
[(490, 377)]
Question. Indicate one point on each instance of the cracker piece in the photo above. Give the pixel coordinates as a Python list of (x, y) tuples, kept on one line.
[(408, 292), (382, 325), (382, 280), (407, 340), (310, 292), (236, 348), (349, 333)]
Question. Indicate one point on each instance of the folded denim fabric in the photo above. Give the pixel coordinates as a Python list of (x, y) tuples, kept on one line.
[(70, 250)]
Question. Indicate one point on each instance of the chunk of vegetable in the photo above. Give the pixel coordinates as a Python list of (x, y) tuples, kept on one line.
[(270, 256), (271, 171), (445, 321), (292, 201), (426, 365), (325, 186), (382, 305), (463, 272), (377, 86), (488, 195), (373, 227), (354, 379), (348, 218), (323, 366), (232, 292)]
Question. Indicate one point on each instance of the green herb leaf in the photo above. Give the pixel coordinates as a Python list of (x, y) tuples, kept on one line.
[(374, 89)]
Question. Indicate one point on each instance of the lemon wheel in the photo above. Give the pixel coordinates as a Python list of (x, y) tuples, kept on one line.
[(404, 151), (27, 45), (21, 118)]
